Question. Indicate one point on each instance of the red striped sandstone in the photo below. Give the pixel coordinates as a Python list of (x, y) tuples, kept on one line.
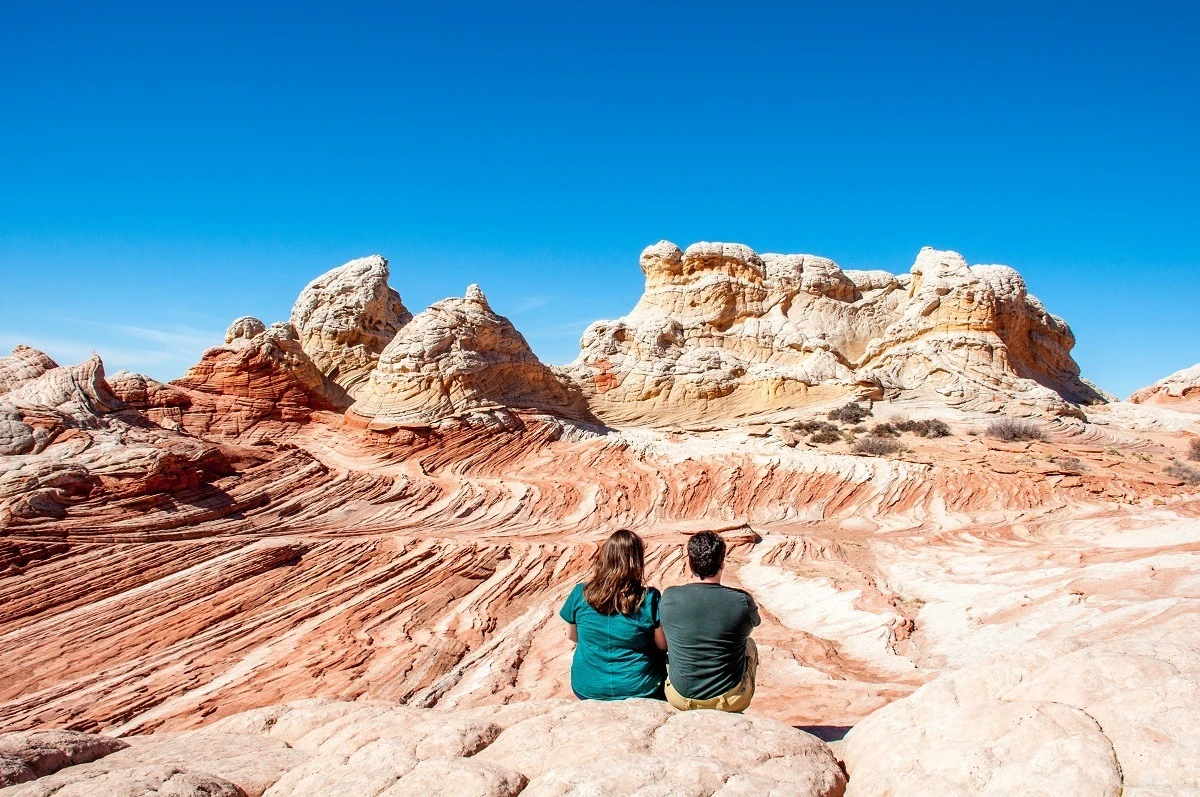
[(176, 554)]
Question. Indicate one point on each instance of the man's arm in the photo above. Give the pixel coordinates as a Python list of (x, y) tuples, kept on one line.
[(755, 620)]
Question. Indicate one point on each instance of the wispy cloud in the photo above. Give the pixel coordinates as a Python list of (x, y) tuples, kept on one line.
[(160, 353), (178, 336), (527, 303)]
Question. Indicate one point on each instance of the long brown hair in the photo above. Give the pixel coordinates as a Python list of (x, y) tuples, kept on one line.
[(616, 584)]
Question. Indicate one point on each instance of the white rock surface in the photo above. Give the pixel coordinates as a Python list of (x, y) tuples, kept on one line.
[(1053, 718), (346, 317)]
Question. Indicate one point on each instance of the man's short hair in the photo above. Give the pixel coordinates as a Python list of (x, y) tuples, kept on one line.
[(706, 553)]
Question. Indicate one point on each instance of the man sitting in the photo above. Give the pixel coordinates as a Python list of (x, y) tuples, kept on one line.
[(712, 659)]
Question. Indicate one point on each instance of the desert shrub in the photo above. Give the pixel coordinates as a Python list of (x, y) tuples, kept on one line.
[(1194, 450), (825, 436), (930, 428), (1187, 475), (851, 413), (876, 446), (1069, 465), (815, 427), (884, 430), (1011, 429)]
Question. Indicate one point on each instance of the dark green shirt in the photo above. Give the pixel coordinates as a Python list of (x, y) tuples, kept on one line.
[(706, 627), (615, 656)]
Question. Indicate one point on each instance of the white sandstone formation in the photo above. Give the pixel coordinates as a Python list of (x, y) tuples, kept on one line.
[(455, 358), (1179, 391), (1119, 716), (719, 325), (346, 317)]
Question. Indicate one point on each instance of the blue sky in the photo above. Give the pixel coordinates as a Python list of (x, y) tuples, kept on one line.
[(168, 167)]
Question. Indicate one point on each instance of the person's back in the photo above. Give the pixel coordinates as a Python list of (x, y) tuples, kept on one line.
[(614, 622), (712, 659)]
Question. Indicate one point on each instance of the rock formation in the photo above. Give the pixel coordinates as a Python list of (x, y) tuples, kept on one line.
[(1116, 717), (23, 365), (718, 324), (455, 358), (313, 748), (1179, 391), (260, 375), (270, 577), (65, 435), (345, 318)]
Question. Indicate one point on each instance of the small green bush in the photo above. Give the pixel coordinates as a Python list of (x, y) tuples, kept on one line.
[(1012, 429), (852, 413), (876, 446)]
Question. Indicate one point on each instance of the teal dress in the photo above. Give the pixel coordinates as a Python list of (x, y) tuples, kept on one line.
[(615, 656)]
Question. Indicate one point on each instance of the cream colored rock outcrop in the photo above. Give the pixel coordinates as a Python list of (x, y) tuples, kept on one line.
[(459, 357), (722, 329), (314, 748), (346, 317), (1117, 717), (1179, 391)]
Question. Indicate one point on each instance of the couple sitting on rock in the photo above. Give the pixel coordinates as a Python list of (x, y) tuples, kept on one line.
[(622, 628)]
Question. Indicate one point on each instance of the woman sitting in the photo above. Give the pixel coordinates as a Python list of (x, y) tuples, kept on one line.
[(614, 623)]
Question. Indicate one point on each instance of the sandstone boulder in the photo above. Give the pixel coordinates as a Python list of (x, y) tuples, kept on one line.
[(345, 318), (26, 755), (1179, 391), (23, 365), (457, 358), (265, 378), (1120, 716)]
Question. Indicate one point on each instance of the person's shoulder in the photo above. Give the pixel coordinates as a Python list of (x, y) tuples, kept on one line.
[(576, 593), (741, 593)]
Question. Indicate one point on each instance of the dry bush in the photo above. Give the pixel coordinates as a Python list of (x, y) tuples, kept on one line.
[(884, 430), (1194, 450), (1011, 429), (930, 428), (813, 427), (1189, 476), (1069, 465), (824, 437), (876, 446), (851, 413)]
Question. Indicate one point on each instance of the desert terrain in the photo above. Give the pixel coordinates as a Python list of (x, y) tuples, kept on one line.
[(329, 558)]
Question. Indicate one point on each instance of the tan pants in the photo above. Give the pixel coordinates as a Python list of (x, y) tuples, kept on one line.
[(735, 701)]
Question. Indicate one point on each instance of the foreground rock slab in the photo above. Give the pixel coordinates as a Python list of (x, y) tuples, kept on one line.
[(1118, 717), (376, 749)]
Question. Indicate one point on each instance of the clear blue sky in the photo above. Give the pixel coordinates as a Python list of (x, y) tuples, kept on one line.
[(167, 167)]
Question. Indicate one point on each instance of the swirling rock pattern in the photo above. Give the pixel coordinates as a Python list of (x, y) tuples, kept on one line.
[(187, 558), (345, 318), (721, 325)]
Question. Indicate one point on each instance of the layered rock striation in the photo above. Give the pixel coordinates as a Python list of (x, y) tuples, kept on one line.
[(1179, 391), (455, 359), (329, 558), (719, 324), (345, 318)]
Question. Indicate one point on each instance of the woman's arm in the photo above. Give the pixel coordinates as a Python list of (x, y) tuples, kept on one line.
[(660, 639), (573, 632)]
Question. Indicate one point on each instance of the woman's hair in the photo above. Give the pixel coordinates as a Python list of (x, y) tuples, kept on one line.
[(616, 584)]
